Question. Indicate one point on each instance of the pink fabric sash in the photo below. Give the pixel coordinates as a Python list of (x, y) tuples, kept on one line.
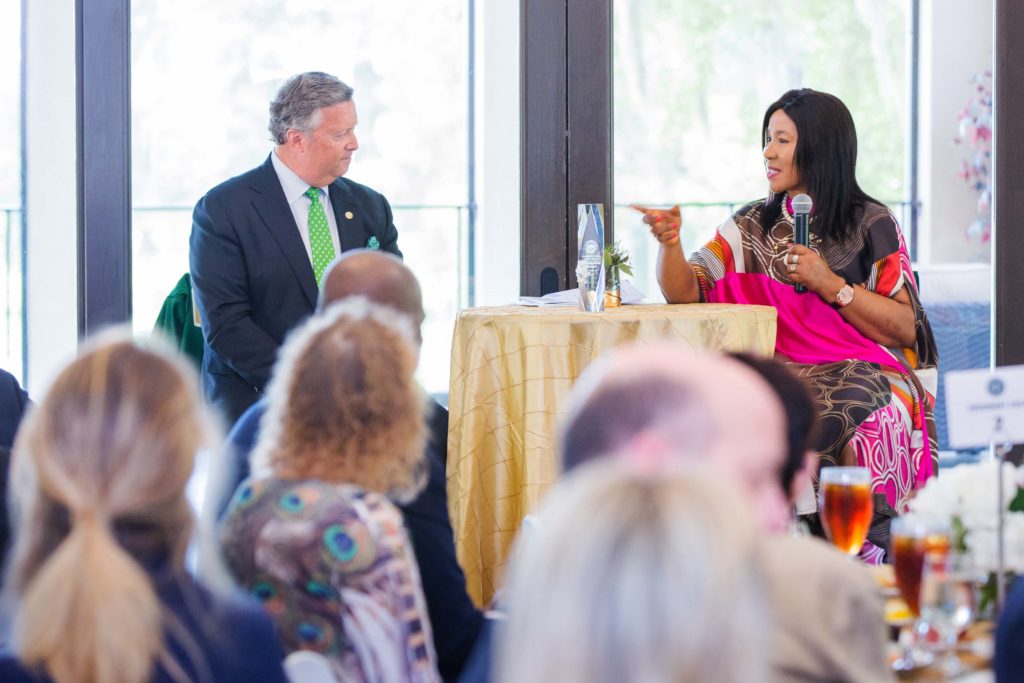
[(809, 330)]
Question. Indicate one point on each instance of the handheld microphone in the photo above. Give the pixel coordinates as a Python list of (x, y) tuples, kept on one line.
[(802, 206)]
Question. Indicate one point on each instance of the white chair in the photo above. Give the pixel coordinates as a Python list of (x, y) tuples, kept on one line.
[(303, 666)]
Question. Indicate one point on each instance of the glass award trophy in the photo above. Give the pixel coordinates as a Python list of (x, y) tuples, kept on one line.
[(590, 267)]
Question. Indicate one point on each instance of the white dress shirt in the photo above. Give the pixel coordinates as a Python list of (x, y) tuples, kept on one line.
[(295, 192)]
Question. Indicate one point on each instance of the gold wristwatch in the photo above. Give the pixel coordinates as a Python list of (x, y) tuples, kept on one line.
[(844, 297)]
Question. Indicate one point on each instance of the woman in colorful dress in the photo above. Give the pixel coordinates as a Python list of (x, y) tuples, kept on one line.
[(314, 533), (858, 335)]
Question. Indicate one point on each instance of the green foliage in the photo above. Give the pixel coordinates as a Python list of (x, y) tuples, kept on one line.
[(1017, 504), (693, 78), (616, 260), (958, 534)]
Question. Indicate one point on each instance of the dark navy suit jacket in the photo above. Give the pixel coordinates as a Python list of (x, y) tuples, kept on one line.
[(1009, 658), (252, 279), (454, 620), (13, 402), (235, 638)]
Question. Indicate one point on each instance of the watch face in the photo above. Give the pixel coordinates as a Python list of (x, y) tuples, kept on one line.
[(845, 295)]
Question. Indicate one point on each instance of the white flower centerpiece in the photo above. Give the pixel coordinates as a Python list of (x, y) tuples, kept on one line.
[(965, 498)]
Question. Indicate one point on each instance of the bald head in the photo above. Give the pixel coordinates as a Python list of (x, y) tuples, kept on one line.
[(380, 277), (700, 406)]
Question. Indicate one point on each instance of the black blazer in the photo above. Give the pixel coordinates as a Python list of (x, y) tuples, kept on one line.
[(252, 279), (13, 403)]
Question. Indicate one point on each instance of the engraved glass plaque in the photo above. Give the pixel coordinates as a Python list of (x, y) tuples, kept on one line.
[(590, 267)]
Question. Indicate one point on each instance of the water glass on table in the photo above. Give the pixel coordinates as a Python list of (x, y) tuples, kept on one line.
[(948, 583), (845, 506), (911, 538)]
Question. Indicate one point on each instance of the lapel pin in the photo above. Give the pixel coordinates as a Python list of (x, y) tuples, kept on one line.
[(373, 243), (348, 215)]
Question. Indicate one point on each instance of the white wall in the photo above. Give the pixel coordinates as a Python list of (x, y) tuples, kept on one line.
[(498, 164), (956, 44), (51, 279)]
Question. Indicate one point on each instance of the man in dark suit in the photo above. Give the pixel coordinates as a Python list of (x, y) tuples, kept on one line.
[(260, 242), (455, 622), (13, 404)]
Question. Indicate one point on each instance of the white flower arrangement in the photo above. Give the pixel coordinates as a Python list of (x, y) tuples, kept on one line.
[(965, 497)]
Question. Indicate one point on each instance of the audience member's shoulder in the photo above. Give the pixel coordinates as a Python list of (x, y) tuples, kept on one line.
[(237, 635), (236, 612), (246, 429), (12, 671), (813, 558)]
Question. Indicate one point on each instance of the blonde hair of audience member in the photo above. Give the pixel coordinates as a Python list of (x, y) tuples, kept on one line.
[(344, 405), (105, 456), (639, 571)]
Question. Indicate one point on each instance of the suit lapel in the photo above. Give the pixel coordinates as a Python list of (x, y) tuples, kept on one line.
[(349, 217), (272, 206)]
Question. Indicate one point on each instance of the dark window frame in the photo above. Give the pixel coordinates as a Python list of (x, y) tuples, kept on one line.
[(103, 114)]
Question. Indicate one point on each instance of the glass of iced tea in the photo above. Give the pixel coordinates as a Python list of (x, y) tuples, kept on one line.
[(911, 537), (845, 506)]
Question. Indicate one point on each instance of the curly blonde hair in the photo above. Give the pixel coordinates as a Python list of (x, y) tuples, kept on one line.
[(344, 405), (98, 477)]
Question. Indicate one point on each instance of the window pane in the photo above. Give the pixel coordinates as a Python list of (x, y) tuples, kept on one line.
[(693, 79), (11, 250), (202, 77)]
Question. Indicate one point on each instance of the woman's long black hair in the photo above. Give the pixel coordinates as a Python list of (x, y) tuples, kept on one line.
[(826, 161)]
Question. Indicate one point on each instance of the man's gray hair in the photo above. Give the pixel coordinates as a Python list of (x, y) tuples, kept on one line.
[(299, 101)]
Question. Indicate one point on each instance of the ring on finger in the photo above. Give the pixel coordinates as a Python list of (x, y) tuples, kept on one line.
[(796, 259), (792, 267)]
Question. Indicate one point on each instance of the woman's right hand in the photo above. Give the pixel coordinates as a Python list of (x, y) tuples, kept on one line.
[(664, 223)]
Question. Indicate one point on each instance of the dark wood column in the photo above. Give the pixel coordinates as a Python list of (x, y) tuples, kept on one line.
[(566, 132), (1008, 177), (103, 30)]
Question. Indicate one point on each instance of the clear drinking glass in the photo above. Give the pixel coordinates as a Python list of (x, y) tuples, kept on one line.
[(948, 583), (911, 537), (845, 506)]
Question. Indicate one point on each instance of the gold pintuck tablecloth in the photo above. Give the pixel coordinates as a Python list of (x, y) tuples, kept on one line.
[(511, 369)]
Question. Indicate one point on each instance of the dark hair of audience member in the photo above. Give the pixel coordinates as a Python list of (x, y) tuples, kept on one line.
[(801, 414), (618, 411)]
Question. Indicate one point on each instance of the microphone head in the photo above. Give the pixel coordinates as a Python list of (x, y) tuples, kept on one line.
[(802, 204)]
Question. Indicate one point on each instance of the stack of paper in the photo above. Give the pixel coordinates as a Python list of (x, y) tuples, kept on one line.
[(571, 297)]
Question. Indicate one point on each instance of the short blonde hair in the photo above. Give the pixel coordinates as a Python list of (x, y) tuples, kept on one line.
[(344, 405), (635, 574), (110, 448)]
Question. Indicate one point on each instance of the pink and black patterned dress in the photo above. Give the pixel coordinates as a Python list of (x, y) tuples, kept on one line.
[(875, 403), (333, 566)]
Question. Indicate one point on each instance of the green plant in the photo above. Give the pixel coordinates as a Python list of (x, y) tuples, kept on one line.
[(616, 261)]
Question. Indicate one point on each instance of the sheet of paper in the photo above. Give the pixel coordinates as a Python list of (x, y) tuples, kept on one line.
[(571, 297)]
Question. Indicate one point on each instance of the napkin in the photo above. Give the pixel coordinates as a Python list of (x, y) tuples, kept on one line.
[(571, 297)]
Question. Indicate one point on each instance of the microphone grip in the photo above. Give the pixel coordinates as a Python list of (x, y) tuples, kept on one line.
[(800, 236)]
